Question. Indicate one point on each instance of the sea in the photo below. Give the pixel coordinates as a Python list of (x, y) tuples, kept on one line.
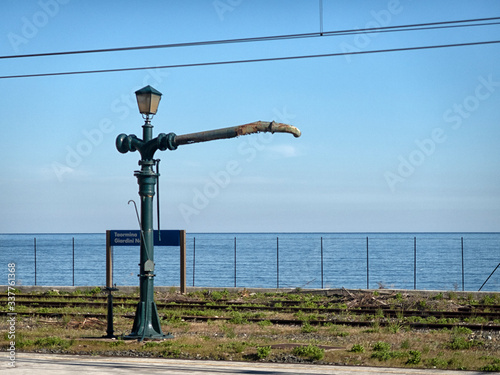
[(423, 261)]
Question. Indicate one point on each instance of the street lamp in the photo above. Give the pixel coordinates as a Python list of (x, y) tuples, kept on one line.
[(148, 99), (147, 322)]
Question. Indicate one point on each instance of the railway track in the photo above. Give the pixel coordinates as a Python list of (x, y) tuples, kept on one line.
[(295, 322), (489, 314), (386, 312), (286, 303), (467, 311)]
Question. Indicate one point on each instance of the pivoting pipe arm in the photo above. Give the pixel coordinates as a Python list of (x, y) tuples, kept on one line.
[(235, 131), (126, 143)]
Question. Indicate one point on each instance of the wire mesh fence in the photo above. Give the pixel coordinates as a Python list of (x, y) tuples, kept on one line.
[(433, 261)]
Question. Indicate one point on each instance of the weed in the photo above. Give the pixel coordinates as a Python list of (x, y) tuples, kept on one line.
[(238, 318), (174, 353), (399, 297), (437, 362), (117, 343), (300, 315), (457, 330), (382, 351), (494, 367), (357, 348), (263, 352), (461, 343), (265, 323), (151, 345), (310, 351), (439, 296), (381, 346), (488, 300), (307, 328), (394, 327), (53, 292), (94, 291), (415, 357), (53, 342), (218, 295)]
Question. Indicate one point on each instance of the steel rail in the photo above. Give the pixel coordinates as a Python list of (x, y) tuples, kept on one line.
[(375, 311), (296, 322)]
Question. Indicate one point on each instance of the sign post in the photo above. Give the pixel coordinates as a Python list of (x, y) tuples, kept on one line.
[(133, 238)]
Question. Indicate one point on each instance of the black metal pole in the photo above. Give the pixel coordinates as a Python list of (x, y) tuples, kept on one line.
[(194, 256), (463, 271), (321, 262), (235, 262), (110, 329), (277, 263), (35, 258), (73, 261), (367, 266), (414, 263)]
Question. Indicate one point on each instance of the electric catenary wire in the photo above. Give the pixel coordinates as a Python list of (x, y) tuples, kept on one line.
[(411, 27), (253, 60)]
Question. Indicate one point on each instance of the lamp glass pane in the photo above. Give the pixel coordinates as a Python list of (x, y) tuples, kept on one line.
[(155, 101), (144, 103)]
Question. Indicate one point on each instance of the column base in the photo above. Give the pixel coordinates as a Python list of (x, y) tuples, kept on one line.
[(147, 324)]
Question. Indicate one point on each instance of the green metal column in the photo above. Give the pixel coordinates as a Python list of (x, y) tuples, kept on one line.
[(147, 323)]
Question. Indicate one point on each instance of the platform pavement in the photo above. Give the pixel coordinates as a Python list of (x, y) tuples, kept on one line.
[(58, 364)]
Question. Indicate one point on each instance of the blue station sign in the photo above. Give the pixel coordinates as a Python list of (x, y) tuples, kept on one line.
[(133, 238)]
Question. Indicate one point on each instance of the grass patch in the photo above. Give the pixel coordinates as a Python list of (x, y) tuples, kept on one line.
[(263, 352), (461, 343), (357, 348), (240, 339), (311, 352)]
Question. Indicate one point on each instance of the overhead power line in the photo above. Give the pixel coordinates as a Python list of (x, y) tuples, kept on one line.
[(385, 29), (253, 60)]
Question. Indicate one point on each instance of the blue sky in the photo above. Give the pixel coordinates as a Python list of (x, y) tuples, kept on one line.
[(392, 142)]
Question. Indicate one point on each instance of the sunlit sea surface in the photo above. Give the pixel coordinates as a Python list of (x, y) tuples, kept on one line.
[(431, 261)]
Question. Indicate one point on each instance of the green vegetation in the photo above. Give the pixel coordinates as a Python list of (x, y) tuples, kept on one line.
[(247, 334), (461, 343), (415, 357), (263, 352), (357, 348), (311, 352)]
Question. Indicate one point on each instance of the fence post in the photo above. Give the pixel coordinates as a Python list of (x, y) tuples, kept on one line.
[(414, 263), (463, 277), (235, 262), (35, 257), (367, 266), (73, 261), (321, 262), (277, 263), (182, 238), (194, 255)]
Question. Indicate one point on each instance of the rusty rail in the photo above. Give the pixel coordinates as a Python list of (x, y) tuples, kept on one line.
[(236, 131)]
